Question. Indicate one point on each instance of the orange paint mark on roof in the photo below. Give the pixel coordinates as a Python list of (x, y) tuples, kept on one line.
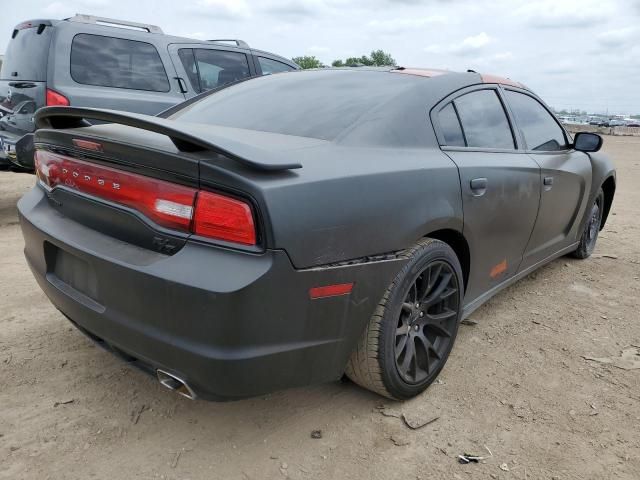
[(501, 80), (421, 72)]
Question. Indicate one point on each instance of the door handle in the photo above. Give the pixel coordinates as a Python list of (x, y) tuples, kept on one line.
[(548, 183), (181, 84), (478, 186)]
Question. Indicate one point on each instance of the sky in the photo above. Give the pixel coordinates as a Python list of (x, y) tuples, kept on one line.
[(576, 54)]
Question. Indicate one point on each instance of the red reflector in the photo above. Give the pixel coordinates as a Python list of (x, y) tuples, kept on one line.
[(56, 99), (165, 203), (87, 145), (330, 290), (224, 218)]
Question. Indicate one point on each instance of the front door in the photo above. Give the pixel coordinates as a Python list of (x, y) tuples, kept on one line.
[(565, 177), (500, 186)]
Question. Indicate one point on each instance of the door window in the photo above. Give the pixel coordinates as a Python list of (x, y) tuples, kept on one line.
[(208, 68), (450, 126), (541, 131), (115, 62), (270, 66), (189, 63), (484, 121)]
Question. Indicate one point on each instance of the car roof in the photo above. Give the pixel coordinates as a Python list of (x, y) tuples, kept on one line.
[(154, 34)]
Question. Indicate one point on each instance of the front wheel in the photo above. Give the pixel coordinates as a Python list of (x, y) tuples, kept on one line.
[(412, 331), (591, 229)]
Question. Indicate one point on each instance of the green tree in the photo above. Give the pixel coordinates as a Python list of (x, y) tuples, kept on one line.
[(378, 58), (308, 61), (382, 59)]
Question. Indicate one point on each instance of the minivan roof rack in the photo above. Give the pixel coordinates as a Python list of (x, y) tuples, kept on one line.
[(112, 22), (239, 43)]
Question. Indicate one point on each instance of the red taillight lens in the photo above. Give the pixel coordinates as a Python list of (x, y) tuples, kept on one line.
[(167, 204), (224, 218), (56, 99)]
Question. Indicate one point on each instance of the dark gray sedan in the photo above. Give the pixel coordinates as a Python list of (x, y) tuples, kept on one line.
[(288, 229)]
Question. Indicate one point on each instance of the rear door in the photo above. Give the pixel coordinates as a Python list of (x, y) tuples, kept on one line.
[(566, 177), (23, 77), (202, 67), (500, 185)]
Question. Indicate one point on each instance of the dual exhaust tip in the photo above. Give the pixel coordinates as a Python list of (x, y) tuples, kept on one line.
[(172, 382)]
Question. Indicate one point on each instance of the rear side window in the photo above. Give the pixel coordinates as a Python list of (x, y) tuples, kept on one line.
[(209, 69), (119, 63), (484, 120), (270, 66), (541, 132), (450, 126)]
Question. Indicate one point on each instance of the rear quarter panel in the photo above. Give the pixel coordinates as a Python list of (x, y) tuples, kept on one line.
[(347, 202)]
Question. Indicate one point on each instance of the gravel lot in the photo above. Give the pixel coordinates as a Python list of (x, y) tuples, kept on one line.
[(517, 383)]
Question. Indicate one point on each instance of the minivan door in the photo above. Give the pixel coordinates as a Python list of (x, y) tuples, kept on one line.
[(500, 187), (565, 174), (23, 80), (201, 67)]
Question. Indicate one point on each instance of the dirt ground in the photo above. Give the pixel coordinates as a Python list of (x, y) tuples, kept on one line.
[(517, 383)]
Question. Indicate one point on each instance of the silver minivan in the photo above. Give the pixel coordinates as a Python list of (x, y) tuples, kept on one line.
[(89, 61)]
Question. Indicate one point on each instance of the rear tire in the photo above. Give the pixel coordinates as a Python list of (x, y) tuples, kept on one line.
[(590, 234), (411, 333)]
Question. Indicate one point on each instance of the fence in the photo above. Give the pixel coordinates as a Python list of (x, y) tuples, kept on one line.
[(633, 131)]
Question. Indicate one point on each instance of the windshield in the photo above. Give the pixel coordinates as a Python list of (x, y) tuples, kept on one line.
[(318, 104)]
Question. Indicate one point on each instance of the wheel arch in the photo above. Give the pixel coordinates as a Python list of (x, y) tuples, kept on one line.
[(460, 246), (609, 189)]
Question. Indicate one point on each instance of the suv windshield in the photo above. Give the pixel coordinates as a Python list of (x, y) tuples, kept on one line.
[(27, 54), (317, 104)]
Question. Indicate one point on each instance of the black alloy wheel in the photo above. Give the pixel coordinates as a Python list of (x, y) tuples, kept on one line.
[(427, 319)]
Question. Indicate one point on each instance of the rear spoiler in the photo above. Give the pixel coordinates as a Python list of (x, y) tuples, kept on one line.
[(60, 118)]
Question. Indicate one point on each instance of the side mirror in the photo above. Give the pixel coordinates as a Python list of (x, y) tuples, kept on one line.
[(587, 142)]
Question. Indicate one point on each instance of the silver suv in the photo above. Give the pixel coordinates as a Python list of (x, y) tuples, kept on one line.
[(89, 61)]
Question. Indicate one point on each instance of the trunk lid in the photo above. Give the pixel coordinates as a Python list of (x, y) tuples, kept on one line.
[(103, 169)]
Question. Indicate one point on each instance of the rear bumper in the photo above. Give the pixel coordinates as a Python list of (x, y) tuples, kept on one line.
[(231, 324)]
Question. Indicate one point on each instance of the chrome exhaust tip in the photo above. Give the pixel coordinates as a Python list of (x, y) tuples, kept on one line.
[(176, 384)]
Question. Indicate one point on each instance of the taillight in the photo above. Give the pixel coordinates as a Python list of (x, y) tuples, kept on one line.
[(224, 218), (172, 206), (56, 99)]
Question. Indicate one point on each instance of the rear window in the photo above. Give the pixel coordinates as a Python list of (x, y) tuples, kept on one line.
[(27, 54), (115, 62), (318, 104)]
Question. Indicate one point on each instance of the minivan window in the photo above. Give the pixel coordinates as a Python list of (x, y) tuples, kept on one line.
[(450, 126), (216, 67), (270, 66), (116, 62), (484, 120), (541, 132), (26, 55)]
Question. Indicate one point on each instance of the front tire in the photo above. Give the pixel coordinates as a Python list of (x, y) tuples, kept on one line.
[(590, 234), (411, 333)]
